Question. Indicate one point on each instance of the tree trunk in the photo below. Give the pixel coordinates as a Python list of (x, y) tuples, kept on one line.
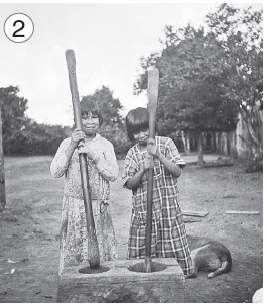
[(2, 170), (193, 146), (200, 149), (204, 141), (184, 140), (217, 142), (255, 127), (187, 141), (212, 144)]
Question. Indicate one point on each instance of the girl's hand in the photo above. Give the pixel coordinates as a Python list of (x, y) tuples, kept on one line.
[(85, 149), (148, 163), (76, 137), (152, 148)]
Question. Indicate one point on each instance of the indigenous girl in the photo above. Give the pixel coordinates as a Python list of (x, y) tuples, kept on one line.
[(102, 168), (168, 231)]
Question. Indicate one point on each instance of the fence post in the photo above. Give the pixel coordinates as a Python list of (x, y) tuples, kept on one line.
[(2, 170)]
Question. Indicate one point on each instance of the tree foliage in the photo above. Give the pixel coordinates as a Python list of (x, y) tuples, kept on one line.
[(113, 127), (13, 110), (208, 76), (22, 135), (39, 139), (109, 106), (189, 95), (241, 37)]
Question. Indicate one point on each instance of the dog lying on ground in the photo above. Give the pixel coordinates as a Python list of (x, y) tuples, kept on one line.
[(209, 255)]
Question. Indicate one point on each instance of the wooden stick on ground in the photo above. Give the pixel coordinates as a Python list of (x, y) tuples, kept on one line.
[(194, 213), (153, 83), (245, 212), (93, 250)]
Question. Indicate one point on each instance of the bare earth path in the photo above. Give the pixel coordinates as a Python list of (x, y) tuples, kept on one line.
[(30, 224)]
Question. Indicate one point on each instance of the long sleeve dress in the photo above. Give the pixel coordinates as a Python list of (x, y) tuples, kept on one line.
[(74, 242), (168, 237)]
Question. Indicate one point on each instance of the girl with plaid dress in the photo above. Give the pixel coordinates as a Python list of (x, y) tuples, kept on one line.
[(168, 231), (102, 168)]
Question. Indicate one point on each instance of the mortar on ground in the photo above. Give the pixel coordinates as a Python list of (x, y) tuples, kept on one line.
[(123, 281)]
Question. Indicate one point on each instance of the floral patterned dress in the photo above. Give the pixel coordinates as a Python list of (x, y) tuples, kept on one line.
[(74, 242)]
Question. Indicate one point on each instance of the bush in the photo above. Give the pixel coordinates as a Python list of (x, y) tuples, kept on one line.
[(118, 137), (255, 165)]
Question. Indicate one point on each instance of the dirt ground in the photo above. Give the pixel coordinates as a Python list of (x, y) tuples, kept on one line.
[(30, 227)]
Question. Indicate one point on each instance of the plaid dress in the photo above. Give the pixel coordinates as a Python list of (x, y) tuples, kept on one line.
[(168, 231)]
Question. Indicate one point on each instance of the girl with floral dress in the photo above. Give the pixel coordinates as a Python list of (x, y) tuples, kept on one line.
[(102, 168), (168, 237)]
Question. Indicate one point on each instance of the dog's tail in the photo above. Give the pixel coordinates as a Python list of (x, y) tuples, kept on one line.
[(226, 266)]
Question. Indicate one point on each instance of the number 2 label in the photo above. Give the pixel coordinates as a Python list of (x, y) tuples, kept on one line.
[(18, 27), (22, 26)]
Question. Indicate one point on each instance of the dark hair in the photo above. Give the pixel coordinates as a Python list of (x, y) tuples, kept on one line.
[(137, 120), (88, 106)]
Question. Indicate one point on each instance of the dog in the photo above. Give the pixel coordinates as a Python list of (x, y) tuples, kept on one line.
[(209, 255)]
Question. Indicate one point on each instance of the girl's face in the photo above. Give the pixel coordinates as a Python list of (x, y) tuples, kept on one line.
[(90, 123), (141, 137)]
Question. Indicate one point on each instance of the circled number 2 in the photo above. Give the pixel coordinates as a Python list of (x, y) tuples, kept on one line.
[(18, 27), (18, 30)]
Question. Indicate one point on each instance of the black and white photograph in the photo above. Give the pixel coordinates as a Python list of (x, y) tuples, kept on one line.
[(131, 152)]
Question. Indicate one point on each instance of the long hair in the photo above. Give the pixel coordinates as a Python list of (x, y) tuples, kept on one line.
[(137, 120), (89, 106)]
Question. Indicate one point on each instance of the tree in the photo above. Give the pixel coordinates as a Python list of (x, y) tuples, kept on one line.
[(189, 100), (223, 60), (110, 107), (113, 125), (13, 115), (241, 37), (22, 135), (12, 110), (191, 85), (40, 138)]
